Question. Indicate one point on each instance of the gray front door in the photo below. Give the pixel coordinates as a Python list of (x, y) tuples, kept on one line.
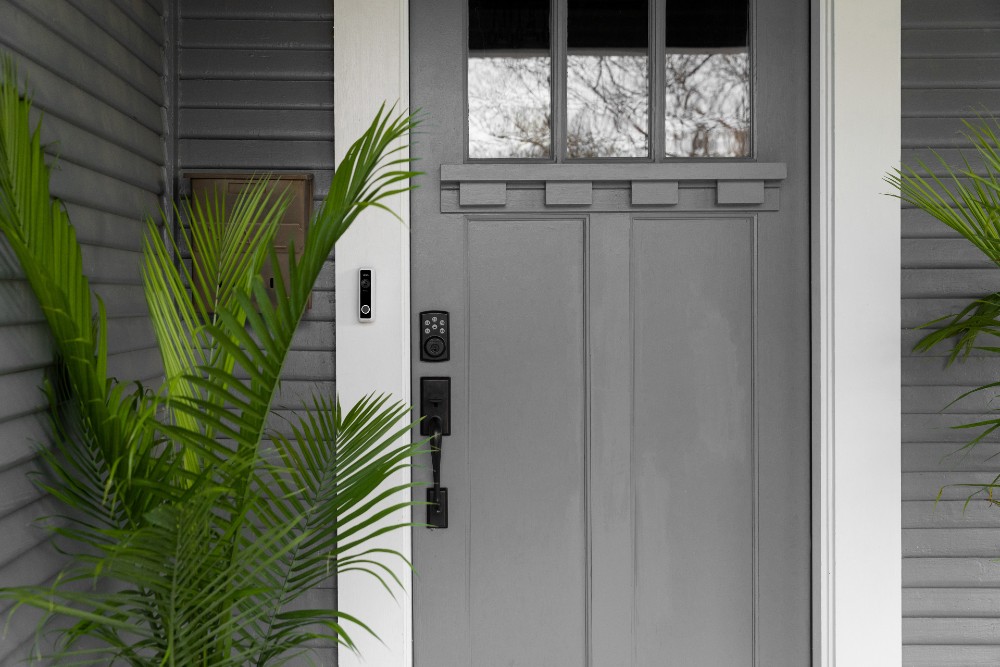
[(614, 214)]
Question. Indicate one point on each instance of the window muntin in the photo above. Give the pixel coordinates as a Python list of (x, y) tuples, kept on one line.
[(509, 91)]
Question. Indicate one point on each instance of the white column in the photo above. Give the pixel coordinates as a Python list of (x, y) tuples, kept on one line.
[(856, 49), (371, 67)]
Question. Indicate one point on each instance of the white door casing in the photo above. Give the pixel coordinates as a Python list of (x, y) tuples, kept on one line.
[(856, 424)]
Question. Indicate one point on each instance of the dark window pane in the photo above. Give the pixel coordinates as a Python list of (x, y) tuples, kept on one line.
[(509, 89), (707, 79), (607, 82)]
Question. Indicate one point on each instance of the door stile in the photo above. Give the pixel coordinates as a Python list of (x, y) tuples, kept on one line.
[(610, 335)]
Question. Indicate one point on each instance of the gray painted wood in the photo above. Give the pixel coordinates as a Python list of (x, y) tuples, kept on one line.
[(528, 458), (693, 300), (694, 333), (95, 72)]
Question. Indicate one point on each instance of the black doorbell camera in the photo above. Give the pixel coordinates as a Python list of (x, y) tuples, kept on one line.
[(366, 292)]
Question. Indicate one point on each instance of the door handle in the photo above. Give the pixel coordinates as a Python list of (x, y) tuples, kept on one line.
[(435, 408)]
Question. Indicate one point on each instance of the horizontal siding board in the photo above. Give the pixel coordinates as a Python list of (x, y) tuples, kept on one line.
[(951, 602), (931, 399), (259, 9), (935, 14), (111, 265), (22, 394), (255, 64), (943, 349), (950, 514), (921, 152), (23, 436), (255, 34), (81, 147), (256, 94), (951, 42), (136, 365), (943, 254), (24, 347), (946, 73), (122, 300), (951, 542), (936, 132), (125, 31), (951, 656), (951, 572), (283, 124), (916, 312), (958, 486), (966, 631), (954, 102), (78, 29), (19, 303), (25, 35), (80, 185), (106, 229), (949, 457), (945, 428), (21, 531), (18, 489), (254, 154), (953, 284), (130, 334), (924, 370)]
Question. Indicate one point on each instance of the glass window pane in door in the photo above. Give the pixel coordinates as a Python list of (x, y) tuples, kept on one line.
[(510, 109), (707, 79), (607, 81)]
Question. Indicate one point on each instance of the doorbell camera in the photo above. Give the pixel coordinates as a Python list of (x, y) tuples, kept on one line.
[(366, 295)]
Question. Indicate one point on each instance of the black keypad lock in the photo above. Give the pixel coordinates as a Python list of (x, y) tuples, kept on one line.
[(435, 335)]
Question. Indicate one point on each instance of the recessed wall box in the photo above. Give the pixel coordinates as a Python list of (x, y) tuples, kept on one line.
[(292, 226)]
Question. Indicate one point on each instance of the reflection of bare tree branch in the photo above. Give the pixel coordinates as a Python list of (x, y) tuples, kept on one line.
[(707, 106)]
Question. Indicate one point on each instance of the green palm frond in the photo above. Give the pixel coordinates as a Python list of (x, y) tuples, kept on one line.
[(968, 201), (194, 529)]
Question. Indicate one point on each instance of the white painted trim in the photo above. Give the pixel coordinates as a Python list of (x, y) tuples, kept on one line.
[(856, 490), (856, 318), (371, 66)]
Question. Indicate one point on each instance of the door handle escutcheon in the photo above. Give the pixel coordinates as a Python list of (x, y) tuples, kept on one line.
[(435, 408)]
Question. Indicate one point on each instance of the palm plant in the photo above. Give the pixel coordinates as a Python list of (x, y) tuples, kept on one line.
[(968, 201), (192, 525)]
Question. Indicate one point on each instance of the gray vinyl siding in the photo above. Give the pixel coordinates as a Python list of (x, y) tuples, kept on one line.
[(255, 93), (951, 575), (95, 69)]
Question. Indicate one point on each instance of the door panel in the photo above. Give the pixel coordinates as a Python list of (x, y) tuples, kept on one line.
[(526, 456), (693, 452)]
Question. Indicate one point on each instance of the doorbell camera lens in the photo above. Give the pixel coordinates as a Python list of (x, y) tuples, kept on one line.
[(366, 283)]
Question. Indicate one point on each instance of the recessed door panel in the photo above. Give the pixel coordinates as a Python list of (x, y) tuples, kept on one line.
[(693, 449), (527, 441)]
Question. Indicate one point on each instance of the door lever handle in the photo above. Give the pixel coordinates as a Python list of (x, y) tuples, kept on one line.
[(435, 408), (437, 497)]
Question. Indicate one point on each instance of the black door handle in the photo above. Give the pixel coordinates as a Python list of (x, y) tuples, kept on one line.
[(435, 408)]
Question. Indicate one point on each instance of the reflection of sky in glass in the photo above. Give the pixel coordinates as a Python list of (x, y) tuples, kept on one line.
[(607, 106), (708, 104), (509, 114)]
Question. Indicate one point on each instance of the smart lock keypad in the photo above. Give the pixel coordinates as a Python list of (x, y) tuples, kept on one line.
[(435, 335)]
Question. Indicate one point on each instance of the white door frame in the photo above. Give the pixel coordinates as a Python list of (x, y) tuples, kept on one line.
[(856, 319)]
